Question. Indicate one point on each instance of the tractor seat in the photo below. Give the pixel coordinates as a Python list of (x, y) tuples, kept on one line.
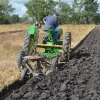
[(50, 31)]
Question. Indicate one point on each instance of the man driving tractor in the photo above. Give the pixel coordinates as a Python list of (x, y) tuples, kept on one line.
[(51, 22), (33, 63)]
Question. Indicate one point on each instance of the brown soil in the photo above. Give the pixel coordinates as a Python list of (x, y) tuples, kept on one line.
[(79, 80)]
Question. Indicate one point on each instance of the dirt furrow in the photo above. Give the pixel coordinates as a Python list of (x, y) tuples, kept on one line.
[(79, 80)]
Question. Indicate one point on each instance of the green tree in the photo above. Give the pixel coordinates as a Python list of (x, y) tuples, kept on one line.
[(96, 19), (65, 12), (25, 19), (37, 9), (15, 18), (5, 10), (1, 13), (84, 11), (78, 9), (90, 11)]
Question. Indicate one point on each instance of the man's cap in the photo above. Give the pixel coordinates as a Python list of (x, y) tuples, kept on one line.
[(56, 14)]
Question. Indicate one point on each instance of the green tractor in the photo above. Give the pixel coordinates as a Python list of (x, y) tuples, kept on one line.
[(32, 63)]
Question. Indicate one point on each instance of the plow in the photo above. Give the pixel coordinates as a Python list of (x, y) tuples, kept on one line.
[(33, 63)]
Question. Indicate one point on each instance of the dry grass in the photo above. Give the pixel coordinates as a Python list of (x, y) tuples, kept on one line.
[(78, 32), (11, 44), (13, 27)]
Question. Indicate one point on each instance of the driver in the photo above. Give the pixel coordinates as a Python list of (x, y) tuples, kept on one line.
[(51, 22)]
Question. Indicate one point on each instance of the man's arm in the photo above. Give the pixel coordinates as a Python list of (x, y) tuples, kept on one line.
[(56, 23)]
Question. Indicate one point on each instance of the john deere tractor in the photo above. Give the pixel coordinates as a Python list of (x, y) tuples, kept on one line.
[(32, 63)]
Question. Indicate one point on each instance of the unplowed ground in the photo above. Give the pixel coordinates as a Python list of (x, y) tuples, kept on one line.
[(79, 80)]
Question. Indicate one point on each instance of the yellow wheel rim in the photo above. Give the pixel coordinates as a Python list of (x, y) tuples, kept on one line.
[(31, 44), (69, 51)]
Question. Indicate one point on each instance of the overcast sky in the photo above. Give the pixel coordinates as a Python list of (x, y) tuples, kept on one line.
[(21, 9)]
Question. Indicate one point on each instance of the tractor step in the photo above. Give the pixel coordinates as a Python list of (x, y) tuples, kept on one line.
[(49, 45)]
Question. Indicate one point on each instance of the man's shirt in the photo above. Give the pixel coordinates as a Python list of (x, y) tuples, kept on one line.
[(51, 22)]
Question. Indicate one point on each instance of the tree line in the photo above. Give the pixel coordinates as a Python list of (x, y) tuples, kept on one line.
[(79, 12)]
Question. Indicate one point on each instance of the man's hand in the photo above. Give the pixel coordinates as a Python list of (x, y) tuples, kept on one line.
[(44, 21)]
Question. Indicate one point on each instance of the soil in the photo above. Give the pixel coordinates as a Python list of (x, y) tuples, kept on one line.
[(78, 80)]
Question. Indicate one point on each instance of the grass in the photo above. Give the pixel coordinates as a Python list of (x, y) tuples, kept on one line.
[(13, 27), (11, 44)]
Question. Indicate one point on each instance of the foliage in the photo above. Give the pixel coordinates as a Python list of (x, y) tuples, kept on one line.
[(91, 7), (79, 12), (84, 11), (25, 20), (65, 11), (15, 18), (5, 11), (37, 9)]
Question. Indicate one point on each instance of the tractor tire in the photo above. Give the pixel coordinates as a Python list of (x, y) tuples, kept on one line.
[(28, 43), (20, 58), (66, 47)]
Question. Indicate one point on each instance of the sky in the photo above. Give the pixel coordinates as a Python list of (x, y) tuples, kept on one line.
[(20, 9)]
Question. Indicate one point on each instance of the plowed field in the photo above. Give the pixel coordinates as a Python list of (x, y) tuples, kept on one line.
[(79, 79)]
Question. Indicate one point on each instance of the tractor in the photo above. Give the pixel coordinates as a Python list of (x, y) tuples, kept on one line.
[(33, 63)]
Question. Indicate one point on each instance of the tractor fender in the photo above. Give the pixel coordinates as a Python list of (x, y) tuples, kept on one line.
[(33, 30), (61, 33)]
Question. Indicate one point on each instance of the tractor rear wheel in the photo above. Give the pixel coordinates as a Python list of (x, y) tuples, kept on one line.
[(66, 47), (28, 43)]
